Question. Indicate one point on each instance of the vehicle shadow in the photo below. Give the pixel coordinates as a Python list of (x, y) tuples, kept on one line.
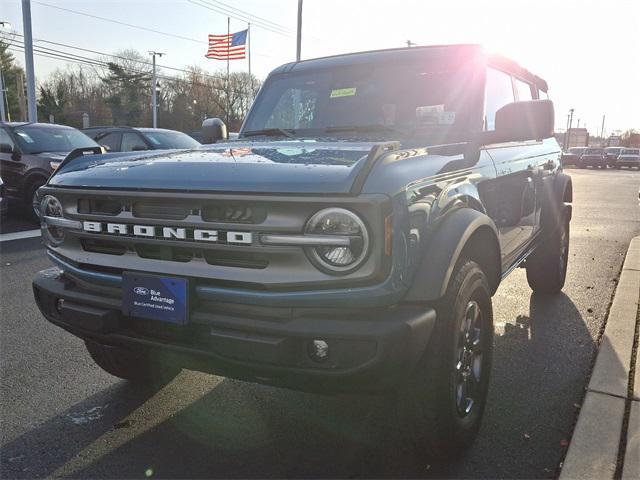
[(235, 429), (43, 449), (542, 363)]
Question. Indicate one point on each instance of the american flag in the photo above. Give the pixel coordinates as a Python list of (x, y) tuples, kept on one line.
[(227, 47)]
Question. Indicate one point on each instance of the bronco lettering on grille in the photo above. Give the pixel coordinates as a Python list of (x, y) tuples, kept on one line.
[(170, 233)]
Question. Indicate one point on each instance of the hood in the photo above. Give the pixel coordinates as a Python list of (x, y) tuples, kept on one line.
[(273, 167), (53, 156)]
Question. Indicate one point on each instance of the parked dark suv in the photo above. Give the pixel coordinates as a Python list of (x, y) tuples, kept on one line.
[(30, 153), (573, 156), (612, 155), (594, 157), (350, 240), (629, 157), (128, 139)]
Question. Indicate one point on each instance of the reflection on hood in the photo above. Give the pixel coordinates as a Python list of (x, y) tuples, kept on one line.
[(287, 166)]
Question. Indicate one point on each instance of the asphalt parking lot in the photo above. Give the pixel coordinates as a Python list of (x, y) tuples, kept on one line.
[(63, 416)]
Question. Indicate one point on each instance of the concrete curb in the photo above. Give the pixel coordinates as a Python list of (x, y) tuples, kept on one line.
[(593, 452)]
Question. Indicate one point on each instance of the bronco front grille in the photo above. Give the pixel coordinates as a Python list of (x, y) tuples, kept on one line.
[(219, 212), (176, 254)]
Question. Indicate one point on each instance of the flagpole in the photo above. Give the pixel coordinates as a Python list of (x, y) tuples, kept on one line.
[(249, 55), (228, 83)]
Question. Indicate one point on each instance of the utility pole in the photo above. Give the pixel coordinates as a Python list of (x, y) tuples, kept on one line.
[(154, 89), (28, 61), (602, 131), (22, 102), (299, 37), (568, 137), (3, 94)]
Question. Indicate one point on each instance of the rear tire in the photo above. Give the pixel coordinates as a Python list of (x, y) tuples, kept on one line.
[(129, 365), (440, 407), (547, 265)]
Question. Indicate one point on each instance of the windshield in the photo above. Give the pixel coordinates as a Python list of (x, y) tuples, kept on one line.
[(630, 151), (594, 151), (36, 139), (369, 100), (170, 140), (613, 150)]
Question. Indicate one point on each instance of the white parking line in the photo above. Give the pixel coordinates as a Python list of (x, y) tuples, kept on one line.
[(7, 237)]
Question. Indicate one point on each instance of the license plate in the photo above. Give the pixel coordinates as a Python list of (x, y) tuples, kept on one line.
[(154, 297)]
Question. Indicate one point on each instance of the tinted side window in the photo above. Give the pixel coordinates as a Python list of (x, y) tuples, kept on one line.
[(523, 89), (499, 92), (5, 138), (111, 140), (132, 141)]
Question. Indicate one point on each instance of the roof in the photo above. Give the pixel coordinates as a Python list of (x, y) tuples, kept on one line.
[(34, 124), (126, 127), (445, 55)]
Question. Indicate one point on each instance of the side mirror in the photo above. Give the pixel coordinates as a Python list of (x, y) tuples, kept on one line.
[(107, 148), (213, 130), (6, 148), (519, 121)]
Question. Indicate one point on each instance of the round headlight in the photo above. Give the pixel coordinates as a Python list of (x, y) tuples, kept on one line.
[(50, 206), (346, 226)]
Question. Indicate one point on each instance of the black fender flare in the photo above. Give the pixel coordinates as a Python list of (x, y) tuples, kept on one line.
[(462, 230), (31, 178), (557, 197)]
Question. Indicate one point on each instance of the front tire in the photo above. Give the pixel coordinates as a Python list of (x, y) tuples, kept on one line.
[(441, 405), (547, 265), (129, 365), (32, 201)]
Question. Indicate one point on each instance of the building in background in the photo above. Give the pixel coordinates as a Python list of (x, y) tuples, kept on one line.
[(614, 141), (577, 137)]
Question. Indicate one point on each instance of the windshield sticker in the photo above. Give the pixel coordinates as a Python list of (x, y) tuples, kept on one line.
[(343, 92), (435, 115), (25, 137), (446, 118)]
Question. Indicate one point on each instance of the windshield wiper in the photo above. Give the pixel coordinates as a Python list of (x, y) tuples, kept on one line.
[(271, 132)]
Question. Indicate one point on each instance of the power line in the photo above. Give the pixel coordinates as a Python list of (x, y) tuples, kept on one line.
[(251, 15), (78, 59), (234, 13), (130, 25), (159, 32), (142, 62)]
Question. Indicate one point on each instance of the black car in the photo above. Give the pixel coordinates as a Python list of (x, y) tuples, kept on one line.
[(572, 156), (129, 139), (594, 157), (30, 153), (350, 240), (3, 200)]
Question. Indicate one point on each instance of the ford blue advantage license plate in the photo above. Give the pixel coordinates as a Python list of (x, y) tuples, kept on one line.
[(155, 297)]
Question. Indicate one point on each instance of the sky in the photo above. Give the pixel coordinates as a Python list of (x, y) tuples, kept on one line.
[(587, 50)]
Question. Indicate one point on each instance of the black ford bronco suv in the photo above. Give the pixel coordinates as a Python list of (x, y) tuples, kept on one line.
[(350, 240)]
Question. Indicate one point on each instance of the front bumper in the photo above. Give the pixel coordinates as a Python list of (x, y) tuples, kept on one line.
[(370, 349), (628, 163), (593, 162)]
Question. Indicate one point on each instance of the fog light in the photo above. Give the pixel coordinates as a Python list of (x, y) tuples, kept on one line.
[(318, 350), (59, 305)]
